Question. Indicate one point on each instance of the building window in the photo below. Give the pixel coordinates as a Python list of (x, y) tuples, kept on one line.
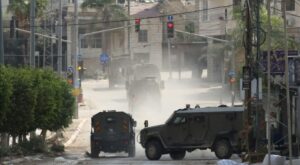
[(96, 41), (290, 5), (84, 43), (205, 10), (143, 36)]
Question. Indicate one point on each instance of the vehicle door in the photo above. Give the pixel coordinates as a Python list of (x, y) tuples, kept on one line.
[(175, 131), (198, 128)]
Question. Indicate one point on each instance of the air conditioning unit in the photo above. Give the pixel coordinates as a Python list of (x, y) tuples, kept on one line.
[(290, 22)]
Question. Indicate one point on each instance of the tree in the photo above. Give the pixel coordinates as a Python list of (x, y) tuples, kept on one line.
[(21, 9), (276, 33), (44, 113), (5, 94), (108, 10), (23, 100), (55, 103)]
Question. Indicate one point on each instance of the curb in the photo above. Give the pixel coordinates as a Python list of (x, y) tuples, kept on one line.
[(75, 134)]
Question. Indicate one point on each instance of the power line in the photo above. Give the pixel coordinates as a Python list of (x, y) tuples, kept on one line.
[(144, 18)]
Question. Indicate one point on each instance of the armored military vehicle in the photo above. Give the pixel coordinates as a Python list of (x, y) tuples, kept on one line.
[(111, 132), (117, 70), (144, 94), (144, 86), (188, 129)]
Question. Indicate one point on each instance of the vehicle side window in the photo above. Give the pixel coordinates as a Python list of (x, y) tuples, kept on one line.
[(179, 120), (199, 119)]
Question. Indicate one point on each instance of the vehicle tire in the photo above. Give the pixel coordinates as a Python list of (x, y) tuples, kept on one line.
[(94, 152), (223, 149), (131, 151), (153, 150), (177, 155)]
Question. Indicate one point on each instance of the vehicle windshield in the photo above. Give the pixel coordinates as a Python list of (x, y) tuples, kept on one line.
[(146, 71), (170, 118)]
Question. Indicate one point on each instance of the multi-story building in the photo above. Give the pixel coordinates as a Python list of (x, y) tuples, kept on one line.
[(146, 44)]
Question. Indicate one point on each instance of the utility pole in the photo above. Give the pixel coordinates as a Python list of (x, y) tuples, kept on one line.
[(75, 56), (169, 58), (32, 34), (59, 48), (1, 36), (44, 41), (248, 54), (288, 107), (129, 30), (269, 79), (258, 106), (51, 48)]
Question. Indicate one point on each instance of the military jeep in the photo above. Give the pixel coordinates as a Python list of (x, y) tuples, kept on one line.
[(112, 132), (188, 129)]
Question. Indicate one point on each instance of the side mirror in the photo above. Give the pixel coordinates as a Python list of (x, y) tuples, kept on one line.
[(162, 85), (134, 123), (146, 123)]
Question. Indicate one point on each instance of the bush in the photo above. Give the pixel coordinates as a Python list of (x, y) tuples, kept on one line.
[(35, 145), (4, 151), (57, 148)]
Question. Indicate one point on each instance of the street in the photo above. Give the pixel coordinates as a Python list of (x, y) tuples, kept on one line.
[(177, 94), (98, 97)]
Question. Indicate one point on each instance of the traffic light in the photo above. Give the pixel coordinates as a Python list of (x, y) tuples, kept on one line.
[(137, 24), (13, 25), (297, 72), (170, 29)]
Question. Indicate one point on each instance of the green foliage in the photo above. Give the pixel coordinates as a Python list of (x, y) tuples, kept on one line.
[(4, 151), (107, 8), (32, 99), (35, 145), (68, 104), (277, 35), (21, 8), (57, 148), (23, 100), (5, 92), (45, 114)]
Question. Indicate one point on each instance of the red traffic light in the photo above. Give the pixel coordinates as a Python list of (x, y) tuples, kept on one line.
[(137, 21), (170, 25)]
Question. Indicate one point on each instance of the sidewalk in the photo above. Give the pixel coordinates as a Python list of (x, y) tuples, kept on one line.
[(70, 133)]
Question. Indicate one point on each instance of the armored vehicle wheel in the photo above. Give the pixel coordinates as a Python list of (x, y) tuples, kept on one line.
[(177, 155), (131, 150), (94, 153), (94, 150), (153, 150), (223, 149)]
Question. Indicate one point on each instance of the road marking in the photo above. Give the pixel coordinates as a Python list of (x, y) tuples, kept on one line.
[(74, 136)]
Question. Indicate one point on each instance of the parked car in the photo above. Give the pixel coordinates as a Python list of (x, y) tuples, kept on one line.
[(112, 131), (188, 129)]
